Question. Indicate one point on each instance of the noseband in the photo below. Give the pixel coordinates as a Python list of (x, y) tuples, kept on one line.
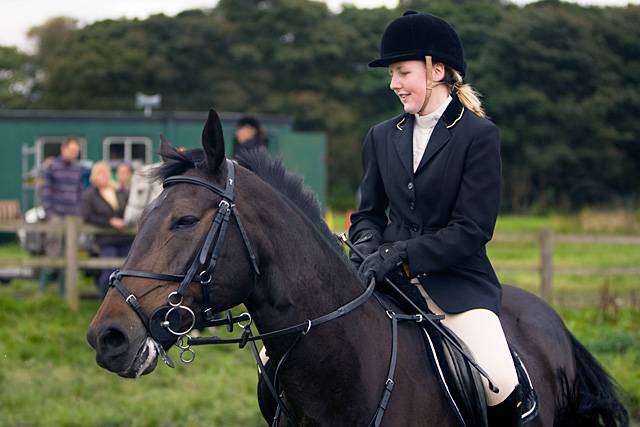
[(164, 324)]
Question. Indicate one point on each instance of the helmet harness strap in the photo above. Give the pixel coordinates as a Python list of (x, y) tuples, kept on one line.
[(429, 87)]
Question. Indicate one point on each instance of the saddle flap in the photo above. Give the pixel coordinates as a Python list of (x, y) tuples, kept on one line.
[(461, 383)]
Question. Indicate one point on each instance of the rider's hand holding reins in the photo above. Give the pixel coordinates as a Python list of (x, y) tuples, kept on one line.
[(366, 243), (386, 259)]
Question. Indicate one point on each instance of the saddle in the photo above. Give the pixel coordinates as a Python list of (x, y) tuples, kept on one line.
[(462, 384)]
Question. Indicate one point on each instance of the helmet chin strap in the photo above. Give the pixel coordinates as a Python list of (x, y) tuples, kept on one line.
[(429, 88), (430, 84)]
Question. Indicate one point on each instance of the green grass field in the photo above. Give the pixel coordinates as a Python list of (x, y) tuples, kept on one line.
[(48, 374), (49, 377)]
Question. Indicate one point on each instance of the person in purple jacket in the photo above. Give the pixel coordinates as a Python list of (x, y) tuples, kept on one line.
[(60, 196)]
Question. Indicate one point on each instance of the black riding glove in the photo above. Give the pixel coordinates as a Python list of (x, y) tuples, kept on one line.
[(367, 243), (385, 260)]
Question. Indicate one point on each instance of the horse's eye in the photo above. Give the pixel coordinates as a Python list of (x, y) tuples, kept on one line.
[(184, 222)]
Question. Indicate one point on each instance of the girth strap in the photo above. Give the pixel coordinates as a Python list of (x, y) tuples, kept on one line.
[(389, 383)]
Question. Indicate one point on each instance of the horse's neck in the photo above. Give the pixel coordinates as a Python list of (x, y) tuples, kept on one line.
[(304, 278)]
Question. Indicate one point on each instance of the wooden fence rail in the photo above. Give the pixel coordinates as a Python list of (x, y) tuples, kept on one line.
[(71, 262), (546, 239)]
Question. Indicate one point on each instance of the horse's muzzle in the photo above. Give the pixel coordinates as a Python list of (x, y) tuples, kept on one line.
[(117, 352)]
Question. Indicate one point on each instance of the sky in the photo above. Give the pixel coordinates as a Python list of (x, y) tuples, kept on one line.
[(19, 15)]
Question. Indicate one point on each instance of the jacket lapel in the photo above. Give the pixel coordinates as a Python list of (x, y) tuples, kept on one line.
[(403, 142), (439, 138), (442, 132)]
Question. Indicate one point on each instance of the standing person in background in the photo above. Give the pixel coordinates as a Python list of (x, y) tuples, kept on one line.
[(104, 206), (249, 135), (61, 195), (123, 176), (431, 195)]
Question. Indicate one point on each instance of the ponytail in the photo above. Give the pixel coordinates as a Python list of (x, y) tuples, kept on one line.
[(469, 97)]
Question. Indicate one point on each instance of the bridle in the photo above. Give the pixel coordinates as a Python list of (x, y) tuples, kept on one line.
[(164, 323), (163, 326)]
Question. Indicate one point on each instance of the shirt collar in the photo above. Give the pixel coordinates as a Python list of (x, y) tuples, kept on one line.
[(430, 120)]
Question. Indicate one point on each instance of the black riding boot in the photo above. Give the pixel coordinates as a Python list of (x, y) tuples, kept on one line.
[(507, 413)]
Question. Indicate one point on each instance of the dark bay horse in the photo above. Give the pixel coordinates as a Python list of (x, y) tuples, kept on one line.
[(336, 373)]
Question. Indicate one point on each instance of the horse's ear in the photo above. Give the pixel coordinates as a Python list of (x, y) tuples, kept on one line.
[(213, 141), (165, 147)]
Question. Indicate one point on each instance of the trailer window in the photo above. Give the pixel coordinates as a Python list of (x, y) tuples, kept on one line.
[(116, 149), (48, 147)]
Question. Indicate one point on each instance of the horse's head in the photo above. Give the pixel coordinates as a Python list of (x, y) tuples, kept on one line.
[(171, 278)]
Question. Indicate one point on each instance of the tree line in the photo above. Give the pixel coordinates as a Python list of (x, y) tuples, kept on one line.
[(562, 81)]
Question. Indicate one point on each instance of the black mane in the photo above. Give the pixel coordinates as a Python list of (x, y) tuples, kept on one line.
[(270, 170), (273, 172)]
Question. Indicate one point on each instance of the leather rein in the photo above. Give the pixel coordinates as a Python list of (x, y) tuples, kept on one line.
[(164, 324)]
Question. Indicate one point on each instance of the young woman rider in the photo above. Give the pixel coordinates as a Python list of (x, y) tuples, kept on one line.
[(430, 194)]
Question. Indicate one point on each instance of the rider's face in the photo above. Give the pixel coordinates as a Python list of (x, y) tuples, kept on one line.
[(408, 83)]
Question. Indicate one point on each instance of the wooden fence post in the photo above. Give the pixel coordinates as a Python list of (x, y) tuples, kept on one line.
[(546, 265), (72, 225)]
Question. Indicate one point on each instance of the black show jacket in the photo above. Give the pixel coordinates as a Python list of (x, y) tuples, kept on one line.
[(446, 211)]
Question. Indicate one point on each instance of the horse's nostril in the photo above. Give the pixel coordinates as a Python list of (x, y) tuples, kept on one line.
[(113, 342)]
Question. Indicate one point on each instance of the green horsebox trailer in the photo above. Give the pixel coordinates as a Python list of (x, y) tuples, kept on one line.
[(29, 137)]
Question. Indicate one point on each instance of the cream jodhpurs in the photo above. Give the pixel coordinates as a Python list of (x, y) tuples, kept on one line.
[(481, 331)]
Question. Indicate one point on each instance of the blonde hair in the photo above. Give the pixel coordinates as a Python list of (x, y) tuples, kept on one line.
[(469, 97), (97, 167)]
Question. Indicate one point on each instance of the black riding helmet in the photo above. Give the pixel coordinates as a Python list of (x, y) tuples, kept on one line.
[(416, 35)]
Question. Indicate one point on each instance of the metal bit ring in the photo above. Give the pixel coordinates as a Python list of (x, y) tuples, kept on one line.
[(249, 321), (183, 342), (172, 295), (190, 355), (167, 324)]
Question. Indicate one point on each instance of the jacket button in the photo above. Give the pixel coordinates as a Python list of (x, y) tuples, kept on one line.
[(415, 228), (412, 206), (410, 186)]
